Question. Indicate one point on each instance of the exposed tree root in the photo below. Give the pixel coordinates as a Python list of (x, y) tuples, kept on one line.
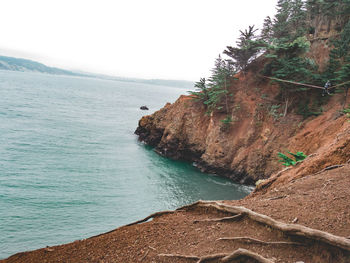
[(223, 257), (277, 197), (235, 217), (293, 229), (270, 181), (330, 168), (244, 252), (258, 241), (179, 256), (154, 215)]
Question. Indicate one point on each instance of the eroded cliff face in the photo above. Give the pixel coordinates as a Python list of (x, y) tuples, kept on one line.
[(246, 150)]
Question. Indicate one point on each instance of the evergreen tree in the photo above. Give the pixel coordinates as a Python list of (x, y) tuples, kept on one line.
[(219, 82), (247, 49), (201, 92), (266, 32), (290, 20), (339, 58), (280, 22)]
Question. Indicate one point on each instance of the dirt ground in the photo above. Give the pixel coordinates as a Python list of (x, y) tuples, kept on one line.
[(319, 201)]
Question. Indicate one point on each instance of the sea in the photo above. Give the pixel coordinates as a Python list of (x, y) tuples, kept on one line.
[(71, 166)]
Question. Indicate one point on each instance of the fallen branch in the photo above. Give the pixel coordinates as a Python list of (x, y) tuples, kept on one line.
[(235, 217), (223, 257), (292, 229), (258, 241)]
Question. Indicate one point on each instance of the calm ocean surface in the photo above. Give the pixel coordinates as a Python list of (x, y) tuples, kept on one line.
[(71, 166)]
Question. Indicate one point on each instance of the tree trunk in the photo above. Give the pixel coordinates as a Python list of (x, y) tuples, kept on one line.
[(346, 96), (285, 108)]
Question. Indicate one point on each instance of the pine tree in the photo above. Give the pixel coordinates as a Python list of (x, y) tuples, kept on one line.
[(266, 32), (290, 20), (219, 82), (247, 49), (201, 92), (280, 22)]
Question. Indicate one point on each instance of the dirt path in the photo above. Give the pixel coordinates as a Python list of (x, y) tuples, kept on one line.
[(320, 201)]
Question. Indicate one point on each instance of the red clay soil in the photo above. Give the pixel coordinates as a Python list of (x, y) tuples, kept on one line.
[(319, 201)]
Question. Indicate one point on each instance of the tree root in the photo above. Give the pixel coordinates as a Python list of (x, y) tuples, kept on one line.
[(223, 257), (154, 215), (292, 229), (244, 252), (235, 217), (270, 181), (258, 241), (330, 168)]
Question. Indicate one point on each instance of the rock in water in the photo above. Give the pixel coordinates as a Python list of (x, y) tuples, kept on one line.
[(144, 108)]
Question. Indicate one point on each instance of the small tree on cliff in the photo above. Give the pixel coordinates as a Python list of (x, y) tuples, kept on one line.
[(219, 82), (247, 49), (201, 92)]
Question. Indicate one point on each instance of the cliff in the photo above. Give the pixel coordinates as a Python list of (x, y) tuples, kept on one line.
[(246, 150), (264, 122)]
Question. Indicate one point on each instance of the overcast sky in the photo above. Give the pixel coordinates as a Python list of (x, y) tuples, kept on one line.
[(172, 39)]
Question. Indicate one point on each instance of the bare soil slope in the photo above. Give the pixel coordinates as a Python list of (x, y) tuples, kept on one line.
[(319, 201)]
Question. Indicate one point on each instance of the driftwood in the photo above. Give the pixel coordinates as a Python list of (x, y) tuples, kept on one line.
[(261, 242), (223, 257), (292, 229)]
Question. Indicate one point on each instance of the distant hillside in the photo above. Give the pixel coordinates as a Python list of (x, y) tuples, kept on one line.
[(26, 65), (20, 64)]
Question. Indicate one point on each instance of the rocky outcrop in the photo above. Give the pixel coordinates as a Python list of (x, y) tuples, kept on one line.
[(246, 150)]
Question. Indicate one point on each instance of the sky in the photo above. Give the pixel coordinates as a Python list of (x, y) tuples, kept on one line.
[(167, 39)]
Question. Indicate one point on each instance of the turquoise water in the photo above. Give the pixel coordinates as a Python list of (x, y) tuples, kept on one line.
[(71, 166)]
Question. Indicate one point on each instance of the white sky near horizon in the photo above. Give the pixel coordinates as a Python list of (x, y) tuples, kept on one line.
[(165, 39)]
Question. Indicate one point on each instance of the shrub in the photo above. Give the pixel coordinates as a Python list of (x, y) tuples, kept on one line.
[(287, 161)]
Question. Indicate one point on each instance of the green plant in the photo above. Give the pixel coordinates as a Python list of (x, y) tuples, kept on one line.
[(201, 92), (347, 110), (287, 161), (274, 112), (226, 123)]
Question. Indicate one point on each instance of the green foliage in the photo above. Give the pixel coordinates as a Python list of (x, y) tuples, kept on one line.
[(346, 111), (219, 82), (248, 47), (287, 62), (201, 92), (274, 112), (299, 156), (215, 93), (307, 109), (338, 69), (328, 8), (285, 160), (227, 120), (296, 157), (226, 123), (290, 20)]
